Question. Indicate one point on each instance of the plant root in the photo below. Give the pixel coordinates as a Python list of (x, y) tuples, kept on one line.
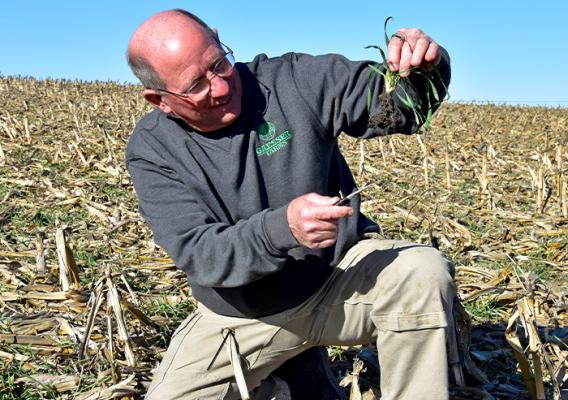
[(388, 118)]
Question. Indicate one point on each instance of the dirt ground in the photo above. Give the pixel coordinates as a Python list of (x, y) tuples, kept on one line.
[(88, 301)]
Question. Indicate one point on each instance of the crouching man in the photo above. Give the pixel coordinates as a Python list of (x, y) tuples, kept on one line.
[(238, 172)]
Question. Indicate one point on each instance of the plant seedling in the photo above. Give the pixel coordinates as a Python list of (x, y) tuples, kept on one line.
[(389, 117), (347, 199)]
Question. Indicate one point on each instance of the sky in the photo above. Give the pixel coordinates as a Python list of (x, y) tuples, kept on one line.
[(502, 51)]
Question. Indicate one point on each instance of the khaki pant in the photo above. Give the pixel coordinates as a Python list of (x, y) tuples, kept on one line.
[(397, 293)]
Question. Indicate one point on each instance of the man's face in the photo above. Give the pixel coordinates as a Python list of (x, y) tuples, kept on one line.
[(193, 59)]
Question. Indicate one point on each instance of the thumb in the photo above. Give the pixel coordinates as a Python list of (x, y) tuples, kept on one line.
[(319, 200)]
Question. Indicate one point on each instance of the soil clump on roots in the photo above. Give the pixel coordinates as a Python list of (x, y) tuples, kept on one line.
[(388, 118)]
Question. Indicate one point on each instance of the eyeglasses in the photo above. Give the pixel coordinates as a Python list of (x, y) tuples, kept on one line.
[(222, 67)]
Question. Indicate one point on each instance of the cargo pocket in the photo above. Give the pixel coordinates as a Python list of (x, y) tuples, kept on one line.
[(399, 322)]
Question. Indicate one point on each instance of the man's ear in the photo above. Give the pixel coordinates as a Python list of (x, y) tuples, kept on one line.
[(156, 99)]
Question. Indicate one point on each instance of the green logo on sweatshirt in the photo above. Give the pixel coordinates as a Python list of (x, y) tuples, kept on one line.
[(266, 131)]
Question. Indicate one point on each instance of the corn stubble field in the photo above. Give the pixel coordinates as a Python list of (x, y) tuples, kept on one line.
[(88, 301)]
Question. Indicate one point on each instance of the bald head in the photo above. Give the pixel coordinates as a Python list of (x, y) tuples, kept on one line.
[(161, 41)]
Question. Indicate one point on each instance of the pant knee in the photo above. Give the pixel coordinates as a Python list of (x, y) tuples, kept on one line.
[(417, 286), (423, 269)]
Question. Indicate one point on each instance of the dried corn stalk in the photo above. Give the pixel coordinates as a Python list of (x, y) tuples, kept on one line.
[(531, 358), (68, 273), (114, 300)]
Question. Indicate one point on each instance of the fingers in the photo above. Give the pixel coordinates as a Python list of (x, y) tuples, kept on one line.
[(410, 48), (309, 211), (321, 200), (420, 49), (433, 55), (313, 219), (328, 212), (394, 50), (322, 208), (405, 57)]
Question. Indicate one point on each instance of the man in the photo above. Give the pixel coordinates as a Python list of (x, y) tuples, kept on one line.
[(238, 173)]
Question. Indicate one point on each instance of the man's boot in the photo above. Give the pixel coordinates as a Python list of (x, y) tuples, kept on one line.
[(309, 376)]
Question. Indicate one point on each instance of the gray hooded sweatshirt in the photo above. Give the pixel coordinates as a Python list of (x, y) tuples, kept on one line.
[(216, 201)]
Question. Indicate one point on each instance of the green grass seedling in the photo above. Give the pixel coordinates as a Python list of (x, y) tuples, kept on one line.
[(389, 117)]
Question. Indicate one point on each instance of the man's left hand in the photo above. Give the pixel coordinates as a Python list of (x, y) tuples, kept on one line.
[(409, 48)]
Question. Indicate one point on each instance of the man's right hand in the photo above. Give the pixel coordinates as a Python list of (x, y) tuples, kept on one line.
[(313, 219)]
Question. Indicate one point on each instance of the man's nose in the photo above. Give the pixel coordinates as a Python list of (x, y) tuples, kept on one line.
[(219, 86)]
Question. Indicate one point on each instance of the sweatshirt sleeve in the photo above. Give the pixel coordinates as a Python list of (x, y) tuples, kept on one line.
[(212, 253), (337, 89)]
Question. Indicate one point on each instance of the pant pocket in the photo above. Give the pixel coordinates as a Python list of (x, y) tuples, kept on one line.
[(399, 322), (194, 316), (291, 336)]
